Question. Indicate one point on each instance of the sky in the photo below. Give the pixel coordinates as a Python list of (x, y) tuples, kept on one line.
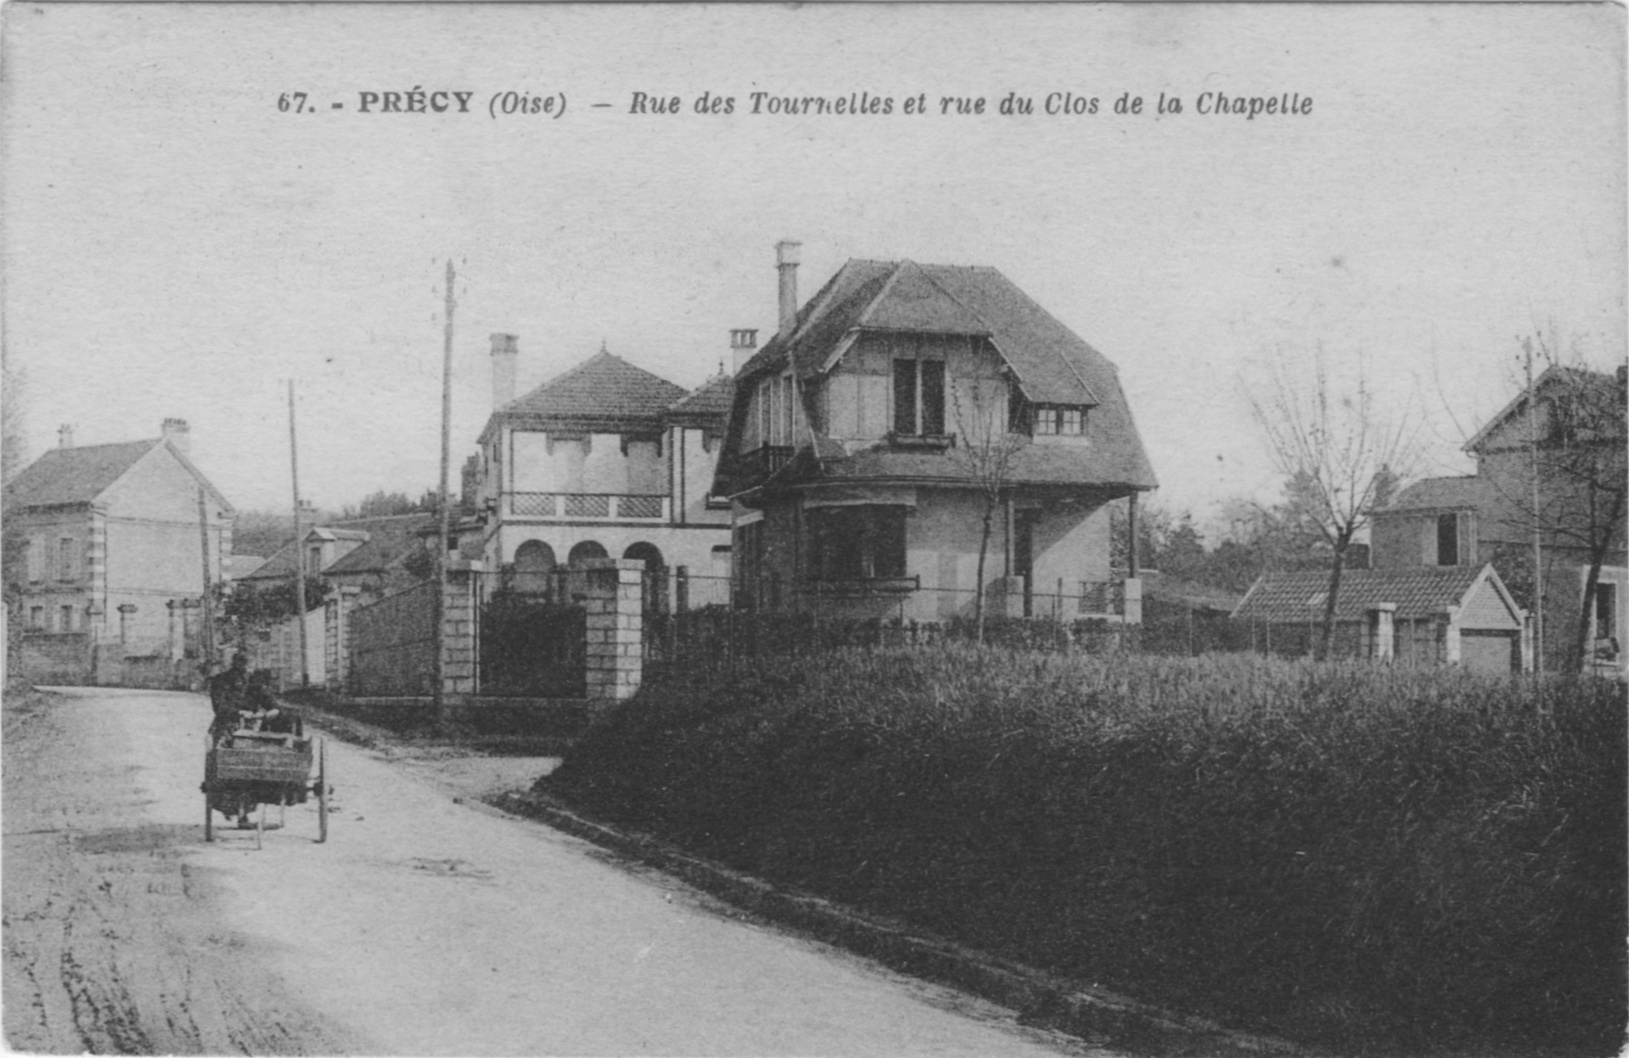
[(177, 245)]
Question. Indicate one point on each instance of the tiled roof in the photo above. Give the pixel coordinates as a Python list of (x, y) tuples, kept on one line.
[(1599, 387), (385, 539), (712, 398), (389, 541), (602, 387), (74, 475), (1107, 463), (1296, 597), (1442, 493), (1051, 363)]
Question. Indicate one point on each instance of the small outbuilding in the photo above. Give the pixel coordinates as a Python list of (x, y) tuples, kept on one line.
[(1458, 615)]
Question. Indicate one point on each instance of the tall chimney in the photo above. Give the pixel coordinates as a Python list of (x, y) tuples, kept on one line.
[(743, 344), (65, 435), (179, 434), (786, 262), (505, 352)]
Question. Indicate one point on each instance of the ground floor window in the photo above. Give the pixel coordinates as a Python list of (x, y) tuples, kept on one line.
[(857, 543)]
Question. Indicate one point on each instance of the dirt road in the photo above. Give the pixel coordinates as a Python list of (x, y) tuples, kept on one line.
[(424, 926)]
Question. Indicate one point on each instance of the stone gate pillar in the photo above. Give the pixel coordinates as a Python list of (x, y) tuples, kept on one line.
[(1382, 631), (336, 628), (458, 626), (615, 627)]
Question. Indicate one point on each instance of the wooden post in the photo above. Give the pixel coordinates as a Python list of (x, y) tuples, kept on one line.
[(206, 631), (440, 694), (299, 544)]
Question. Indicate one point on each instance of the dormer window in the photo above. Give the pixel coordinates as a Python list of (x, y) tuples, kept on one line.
[(1060, 420), (919, 398)]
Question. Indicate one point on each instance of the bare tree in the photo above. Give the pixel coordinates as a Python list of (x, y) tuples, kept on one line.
[(12, 433), (1341, 457), (985, 448), (1572, 496)]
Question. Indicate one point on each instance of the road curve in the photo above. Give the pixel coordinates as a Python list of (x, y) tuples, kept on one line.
[(423, 926)]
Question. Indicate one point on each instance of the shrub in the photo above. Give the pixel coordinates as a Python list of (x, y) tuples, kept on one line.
[(1325, 850)]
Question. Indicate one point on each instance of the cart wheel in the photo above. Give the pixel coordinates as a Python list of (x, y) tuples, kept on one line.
[(260, 826), (322, 792)]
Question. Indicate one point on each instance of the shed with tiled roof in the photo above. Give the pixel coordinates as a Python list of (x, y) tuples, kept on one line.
[(1480, 623)]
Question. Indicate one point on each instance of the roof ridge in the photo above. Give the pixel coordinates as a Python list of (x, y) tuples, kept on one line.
[(895, 269)]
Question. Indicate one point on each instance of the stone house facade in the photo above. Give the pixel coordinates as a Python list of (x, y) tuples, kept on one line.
[(607, 460), (865, 438), (107, 562)]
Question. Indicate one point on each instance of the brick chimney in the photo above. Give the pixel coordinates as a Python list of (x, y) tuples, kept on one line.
[(786, 263), (65, 435), (505, 351), (743, 344), (179, 434)]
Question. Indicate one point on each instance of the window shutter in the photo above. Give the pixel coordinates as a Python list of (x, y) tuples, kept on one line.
[(933, 397), (905, 396)]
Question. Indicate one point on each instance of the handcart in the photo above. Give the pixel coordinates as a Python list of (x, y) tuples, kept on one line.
[(252, 768)]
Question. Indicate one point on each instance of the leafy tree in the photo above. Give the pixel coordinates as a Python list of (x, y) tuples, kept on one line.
[(1341, 457)]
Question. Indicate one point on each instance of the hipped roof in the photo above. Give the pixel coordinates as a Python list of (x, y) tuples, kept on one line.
[(606, 392), (1050, 363)]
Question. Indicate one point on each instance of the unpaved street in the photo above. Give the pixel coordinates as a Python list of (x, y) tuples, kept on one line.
[(424, 926)]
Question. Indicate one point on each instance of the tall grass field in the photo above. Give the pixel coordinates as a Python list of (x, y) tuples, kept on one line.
[(1344, 854)]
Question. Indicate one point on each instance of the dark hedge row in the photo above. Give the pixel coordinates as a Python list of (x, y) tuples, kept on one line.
[(1340, 853)]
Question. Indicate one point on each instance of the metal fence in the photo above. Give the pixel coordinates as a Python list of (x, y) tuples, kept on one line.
[(531, 635), (393, 644), (709, 624)]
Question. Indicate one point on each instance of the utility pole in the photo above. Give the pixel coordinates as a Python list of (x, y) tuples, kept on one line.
[(206, 604), (299, 544), (1538, 557), (442, 542)]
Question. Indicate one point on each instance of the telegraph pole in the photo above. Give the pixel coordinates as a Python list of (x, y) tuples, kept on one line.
[(1538, 557), (206, 614), (299, 544), (442, 541)]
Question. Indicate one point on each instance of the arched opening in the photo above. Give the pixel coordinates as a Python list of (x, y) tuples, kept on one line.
[(583, 551), (534, 562), (655, 593), (649, 554)]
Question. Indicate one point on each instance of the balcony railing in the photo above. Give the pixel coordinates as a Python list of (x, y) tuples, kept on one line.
[(589, 506), (767, 459)]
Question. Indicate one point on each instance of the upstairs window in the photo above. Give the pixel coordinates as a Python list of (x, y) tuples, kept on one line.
[(775, 411), (1059, 420), (67, 619), (919, 398), (36, 618), (67, 568), (1447, 539)]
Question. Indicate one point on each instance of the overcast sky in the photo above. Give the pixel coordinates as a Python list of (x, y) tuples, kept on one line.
[(177, 246)]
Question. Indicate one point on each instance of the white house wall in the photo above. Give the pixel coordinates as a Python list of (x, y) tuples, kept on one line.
[(152, 546)]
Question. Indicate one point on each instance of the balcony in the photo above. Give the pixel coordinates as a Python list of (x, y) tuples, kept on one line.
[(764, 461), (588, 507)]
